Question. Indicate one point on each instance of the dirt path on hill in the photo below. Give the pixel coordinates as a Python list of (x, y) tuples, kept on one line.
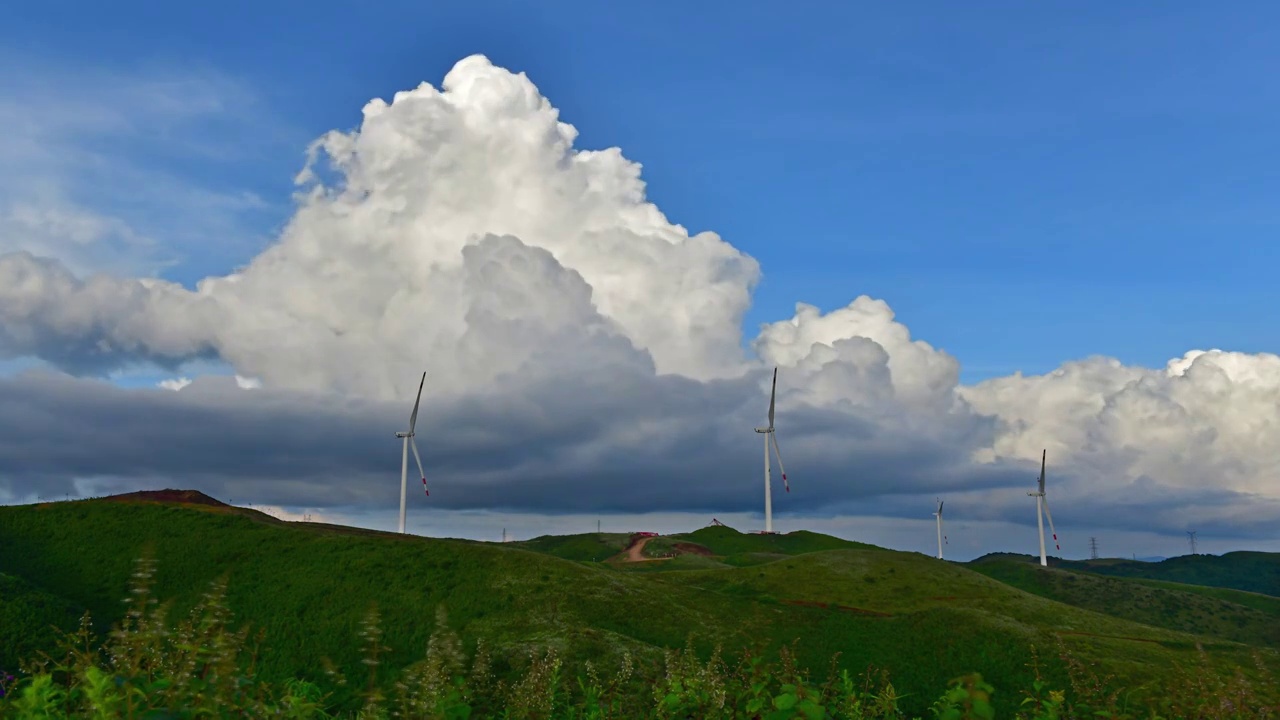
[(634, 553)]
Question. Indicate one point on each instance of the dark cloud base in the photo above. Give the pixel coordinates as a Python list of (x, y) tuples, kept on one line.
[(534, 450)]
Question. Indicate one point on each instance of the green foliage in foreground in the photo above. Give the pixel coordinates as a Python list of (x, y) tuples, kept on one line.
[(28, 616), (200, 667)]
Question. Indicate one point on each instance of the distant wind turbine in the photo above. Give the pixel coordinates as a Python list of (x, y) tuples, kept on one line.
[(404, 457), (938, 515), (1042, 511), (771, 437)]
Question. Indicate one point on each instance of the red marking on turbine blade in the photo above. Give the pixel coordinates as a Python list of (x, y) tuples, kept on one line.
[(785, 484), (424, 487)]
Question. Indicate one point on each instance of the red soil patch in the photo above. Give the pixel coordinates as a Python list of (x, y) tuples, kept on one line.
[(842, 608), (692, 549), (193, 499), (190, 497)]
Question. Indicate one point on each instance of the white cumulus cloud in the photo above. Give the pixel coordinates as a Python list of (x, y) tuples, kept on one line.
[(460, 230)]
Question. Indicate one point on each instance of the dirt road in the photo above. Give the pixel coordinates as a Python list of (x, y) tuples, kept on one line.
[(634, 553)]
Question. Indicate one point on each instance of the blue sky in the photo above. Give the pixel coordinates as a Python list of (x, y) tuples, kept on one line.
[(1023, 183)]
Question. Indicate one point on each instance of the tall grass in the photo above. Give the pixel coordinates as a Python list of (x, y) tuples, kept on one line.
[(151, 666)]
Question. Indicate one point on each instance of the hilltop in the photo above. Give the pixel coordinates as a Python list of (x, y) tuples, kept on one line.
[(186, 497), (309, 585)]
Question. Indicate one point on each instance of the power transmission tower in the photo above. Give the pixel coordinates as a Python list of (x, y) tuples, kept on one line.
[(1093, 548), (1191, 535)]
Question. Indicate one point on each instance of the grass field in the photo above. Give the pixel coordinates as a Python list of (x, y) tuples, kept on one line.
[(1211, 612), (27, 616), (308, 586), (590, 547)]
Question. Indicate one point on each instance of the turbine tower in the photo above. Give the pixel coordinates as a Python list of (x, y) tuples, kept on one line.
[(404, 455), (1042, 512), (938, 515), (770, 437)]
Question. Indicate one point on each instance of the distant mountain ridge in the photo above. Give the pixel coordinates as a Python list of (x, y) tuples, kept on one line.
[(1250, 571)]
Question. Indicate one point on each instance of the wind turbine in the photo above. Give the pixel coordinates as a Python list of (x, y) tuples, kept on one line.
[(938, 515), (1042, 511), (771, 437), (404, 456)]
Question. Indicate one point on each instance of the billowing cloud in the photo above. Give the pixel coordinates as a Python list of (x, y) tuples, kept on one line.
[(583, 354), (1169, 444)]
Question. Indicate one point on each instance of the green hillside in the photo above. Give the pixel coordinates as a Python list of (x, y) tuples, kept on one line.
[(1226, 614), (727, 542), (308, 586), (1269, 604), (1256, 572), (588, 547), (28, 615)]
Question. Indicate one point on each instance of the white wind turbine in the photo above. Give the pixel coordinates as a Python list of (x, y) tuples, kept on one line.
[(938, 515), (404, 457), (771, 437), (1042, 511)]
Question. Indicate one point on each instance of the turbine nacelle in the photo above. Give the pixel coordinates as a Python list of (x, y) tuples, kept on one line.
[(764, 430), (404, 434)]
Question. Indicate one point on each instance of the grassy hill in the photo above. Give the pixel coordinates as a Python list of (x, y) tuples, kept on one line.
[(1255, 572), (28, 615), (727, 542), (1221, 613), (309, 586), (588, 547)]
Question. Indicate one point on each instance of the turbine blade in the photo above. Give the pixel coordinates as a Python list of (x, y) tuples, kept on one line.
[(773, 393), (421, 472), (413, 419), (940, 502), (778, 453), (1045, 503), (1042, 456)]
